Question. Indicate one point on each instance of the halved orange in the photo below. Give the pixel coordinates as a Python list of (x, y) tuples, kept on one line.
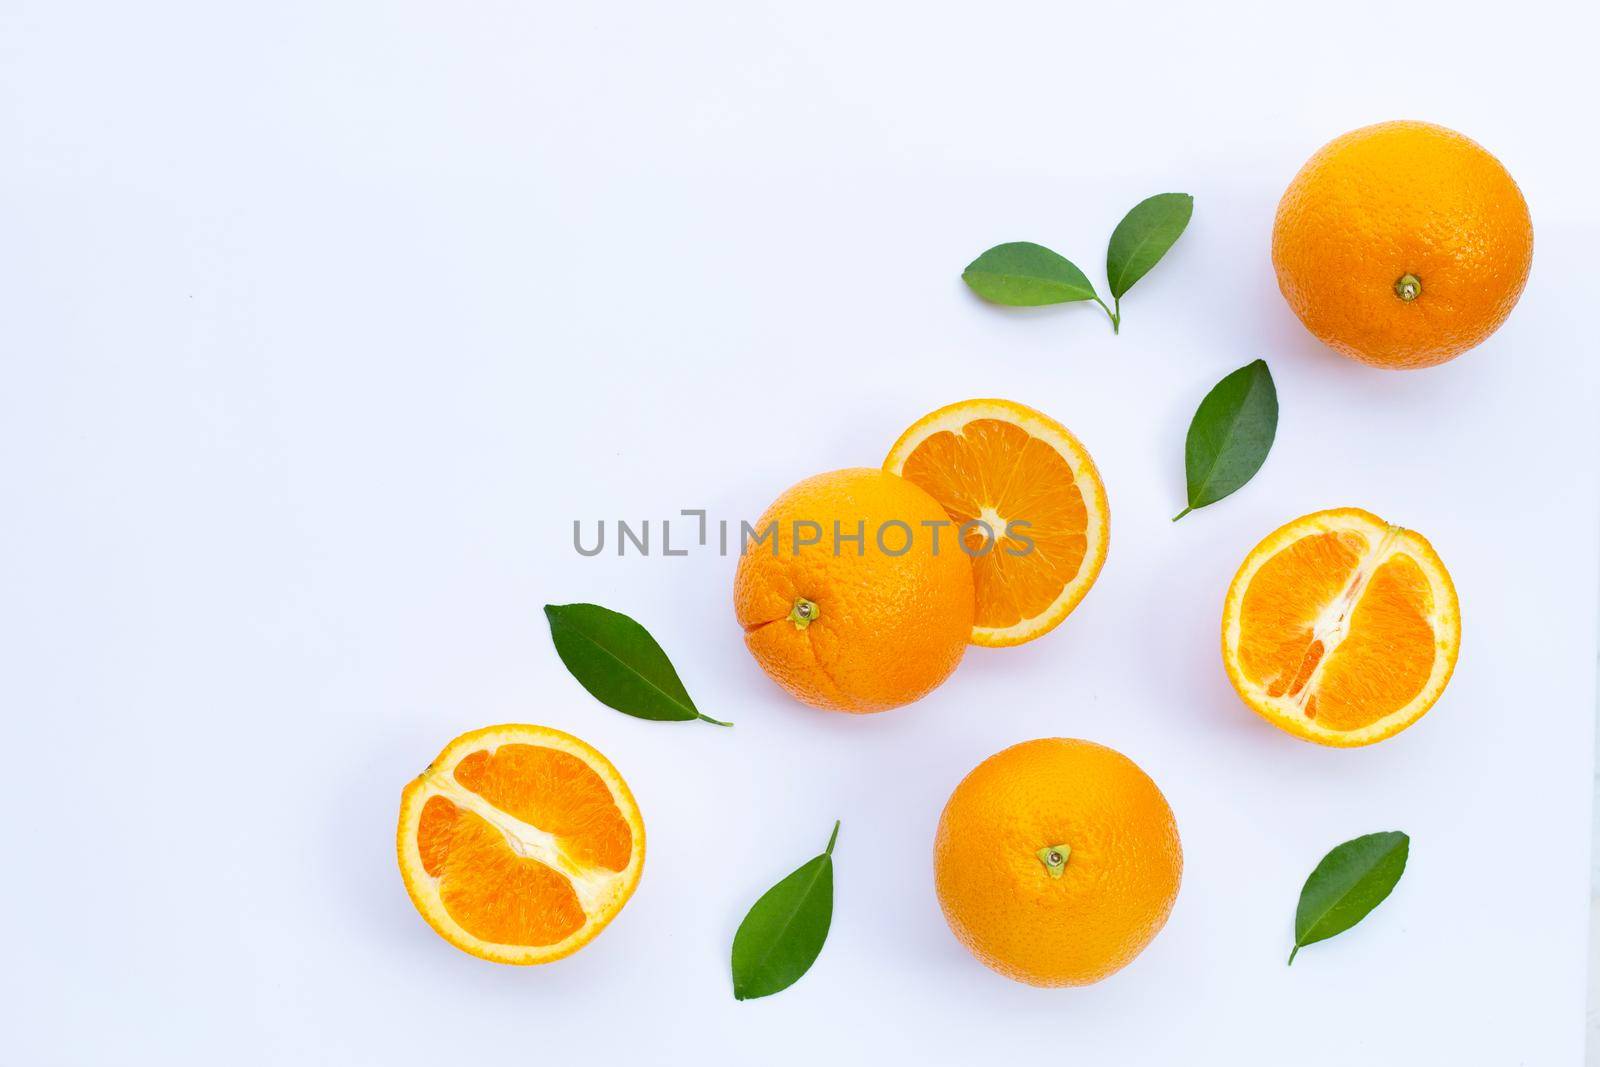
[(1028, 505), (1341, 628), (519, 843)]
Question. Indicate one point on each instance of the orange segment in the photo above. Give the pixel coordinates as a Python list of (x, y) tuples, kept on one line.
[(1340, 628), (1390, 625), (494, 894), (1285, 598), (1028, 505), (519, 843), (557, 792)]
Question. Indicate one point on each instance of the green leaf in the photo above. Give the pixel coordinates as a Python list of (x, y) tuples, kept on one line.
[(619, 663), (1230, 435), (1143, 236), (1349, 882), (1023, 274), (783, 933)]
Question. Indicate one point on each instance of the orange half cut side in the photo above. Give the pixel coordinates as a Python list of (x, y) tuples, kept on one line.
[(519, 843), (997, 466), (1341, 628)]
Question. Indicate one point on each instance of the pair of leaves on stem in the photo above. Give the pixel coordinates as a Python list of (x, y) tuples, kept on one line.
[(620, 664), (783, 933), (1023, 274), (1350, 881)]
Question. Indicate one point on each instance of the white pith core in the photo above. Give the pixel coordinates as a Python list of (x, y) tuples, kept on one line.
[(996, 525), (594, 886), (1332, 625)]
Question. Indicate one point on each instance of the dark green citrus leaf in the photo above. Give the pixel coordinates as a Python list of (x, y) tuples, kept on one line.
[(1230, 435), (1349, 882), (1023, 274), (1143, 236), (784, 931), (619, 663)]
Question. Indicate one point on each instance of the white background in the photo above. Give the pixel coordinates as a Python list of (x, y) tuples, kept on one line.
[(324, 321)]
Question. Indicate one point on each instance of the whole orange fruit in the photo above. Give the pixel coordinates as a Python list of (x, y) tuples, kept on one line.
[(1402, 244), (854, 592), (1057, 862)]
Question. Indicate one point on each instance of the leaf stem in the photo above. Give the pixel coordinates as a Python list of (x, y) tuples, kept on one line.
[(834, 837), (1114, 316), (1181, 514), (1292, 954), (715, 722)]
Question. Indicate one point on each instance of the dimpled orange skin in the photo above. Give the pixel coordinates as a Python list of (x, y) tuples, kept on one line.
[(1115, 890), (1398, 199), (887, 629)]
